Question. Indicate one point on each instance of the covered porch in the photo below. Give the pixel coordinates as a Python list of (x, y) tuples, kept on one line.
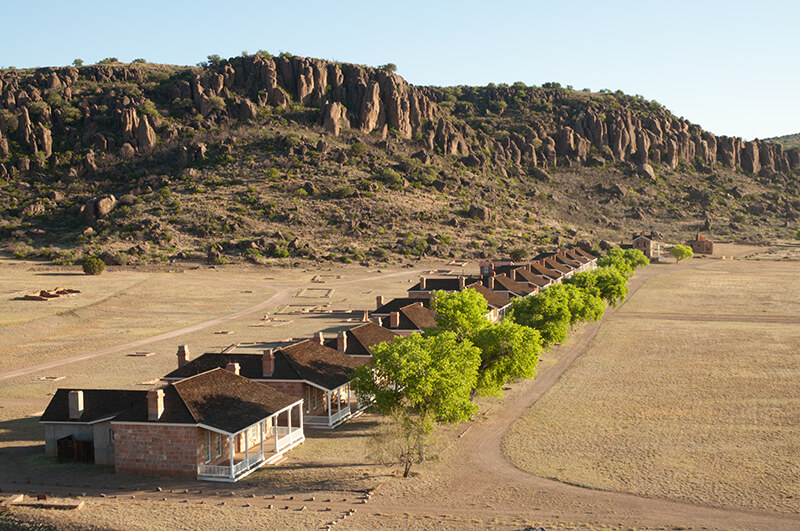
[(338, 405), (232, 456)]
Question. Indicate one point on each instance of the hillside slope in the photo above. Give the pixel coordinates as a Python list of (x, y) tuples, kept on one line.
[(269, 157), (786, 141)]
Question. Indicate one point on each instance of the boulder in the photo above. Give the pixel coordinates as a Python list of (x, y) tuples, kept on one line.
[(145, 135), (479, 212), (98, 207), (540, 175), (247, 111), (126, 151), (332, 118), (646, 170)]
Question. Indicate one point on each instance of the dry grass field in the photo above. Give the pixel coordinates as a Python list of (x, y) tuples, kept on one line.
[(681, 400), (690, 392)]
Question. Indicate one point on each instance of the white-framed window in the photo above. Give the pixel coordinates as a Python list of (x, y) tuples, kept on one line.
[(218, 441), (309, 392), (208, 446)]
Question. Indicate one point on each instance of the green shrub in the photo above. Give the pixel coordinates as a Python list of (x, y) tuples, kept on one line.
[(93, 266), (358, 148), (108, 60), (518, 254)]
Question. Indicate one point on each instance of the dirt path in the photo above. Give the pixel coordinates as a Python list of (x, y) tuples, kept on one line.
[(483, 467), (282, 295)]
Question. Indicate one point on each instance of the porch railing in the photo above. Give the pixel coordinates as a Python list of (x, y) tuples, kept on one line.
[(215, 471), (325, 420), (286, 437), (222, 471)]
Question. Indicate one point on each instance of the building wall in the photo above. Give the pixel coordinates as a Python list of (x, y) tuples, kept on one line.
[(54, 432), (156, 450), (297, 389)]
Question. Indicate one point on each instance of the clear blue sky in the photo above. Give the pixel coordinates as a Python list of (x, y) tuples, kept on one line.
[(730, 66)]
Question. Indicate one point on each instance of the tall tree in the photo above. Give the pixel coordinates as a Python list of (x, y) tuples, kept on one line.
[(418, 380), (463, 312), (509, 351), (681, 252)]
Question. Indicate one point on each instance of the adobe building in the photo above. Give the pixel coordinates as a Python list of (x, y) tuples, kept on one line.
[(650, 247), (700, 245)]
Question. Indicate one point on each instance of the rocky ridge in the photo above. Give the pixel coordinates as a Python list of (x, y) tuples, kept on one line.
[(95, 131)]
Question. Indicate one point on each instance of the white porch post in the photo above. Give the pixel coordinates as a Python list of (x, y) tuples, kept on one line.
[(261, 437), (247, 447), (230, 452), (275, 430), (289, 414), (330, 406), (348, 396), (301, 417)]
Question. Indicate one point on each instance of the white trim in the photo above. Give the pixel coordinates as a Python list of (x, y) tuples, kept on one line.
[(75, 421)]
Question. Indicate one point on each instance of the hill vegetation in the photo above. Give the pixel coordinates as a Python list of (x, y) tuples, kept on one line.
[(269, 158), (787, 141)]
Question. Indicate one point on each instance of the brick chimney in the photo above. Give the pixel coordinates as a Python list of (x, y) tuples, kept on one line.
[(490, 283), (379, 321), (320, 338), (341, 341), (75, 401), (422, 283), (379, 301), (394, 319), (268, 362), (233, 367), (183, 355), (462, 283), (155, 404), (365, 316)]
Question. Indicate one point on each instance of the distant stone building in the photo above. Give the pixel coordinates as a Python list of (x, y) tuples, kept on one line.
[(649, 246), (700, 245)]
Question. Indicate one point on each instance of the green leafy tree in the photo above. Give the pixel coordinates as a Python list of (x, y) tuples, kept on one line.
[(463, 312), (77, 62), (547, 312), (139, 61), (509, 351), (556, 309), (626, 261), (388, 67), (681, 252), (429, 375), (607, 282)]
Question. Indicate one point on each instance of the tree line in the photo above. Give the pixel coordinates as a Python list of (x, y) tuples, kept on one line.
[(433, 377)]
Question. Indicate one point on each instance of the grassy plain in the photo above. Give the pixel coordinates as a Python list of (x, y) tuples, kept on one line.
[(690, 392)]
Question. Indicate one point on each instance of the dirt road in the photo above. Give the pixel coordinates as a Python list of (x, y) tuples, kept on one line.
[(482, 468), (281, 295)]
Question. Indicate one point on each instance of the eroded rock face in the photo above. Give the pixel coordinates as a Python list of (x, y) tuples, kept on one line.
[(145, 135), (98, 207)]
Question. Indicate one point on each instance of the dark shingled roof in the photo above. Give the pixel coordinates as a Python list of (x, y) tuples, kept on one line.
[(542, 270), (554, 264), (216, 398), (418, 316), (507, 284), (578, 257), (98, 404), (361, 339), (493, 298), (319, 364), (587, 254), (394, 305), (446, 284), (533, 278), (250, 366)]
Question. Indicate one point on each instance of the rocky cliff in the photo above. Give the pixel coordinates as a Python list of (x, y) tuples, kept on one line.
[(71, 137)]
